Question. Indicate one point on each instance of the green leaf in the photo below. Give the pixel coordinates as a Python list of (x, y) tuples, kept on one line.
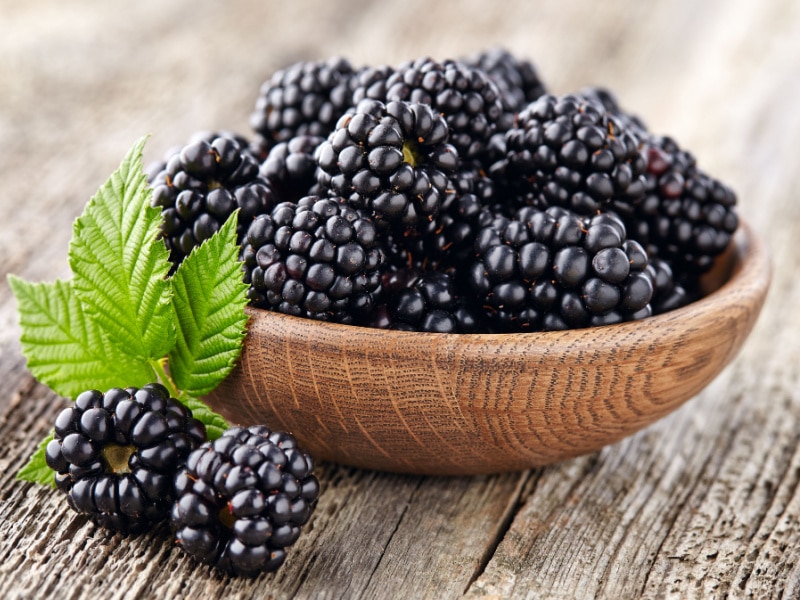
[(215, 423), (64, 348), (209, 299), (36, 469), (121, 264)]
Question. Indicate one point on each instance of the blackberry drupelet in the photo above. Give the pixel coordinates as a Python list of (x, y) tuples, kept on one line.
[(116, 453), (569, 151), (687, 217), (516, 79), (548, 270), (201, 185), (242, 499), (290, 167), (468, 99), (316, 258), (429, 302), (306, 98), (391, 160)]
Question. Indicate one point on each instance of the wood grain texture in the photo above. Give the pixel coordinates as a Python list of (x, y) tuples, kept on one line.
[(704, 503), (469, 404)]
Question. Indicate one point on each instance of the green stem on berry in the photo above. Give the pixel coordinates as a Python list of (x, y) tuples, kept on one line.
[(161, 374), (411, 153)]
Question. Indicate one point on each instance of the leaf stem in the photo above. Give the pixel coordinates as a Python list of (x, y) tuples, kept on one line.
[(161, 374)]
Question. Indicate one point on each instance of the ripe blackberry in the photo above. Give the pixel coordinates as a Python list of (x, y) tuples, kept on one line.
[(154, 168), (470, 205), (545, 270), (201, 185), (609, 101), (468, 99), (516, 79), (306, 98), (391, 160), (242, 499), (290, 167), (116, 453), (430, 302), (370, 83), (316, 258), (668, 292), (687, 217), (569, 151)]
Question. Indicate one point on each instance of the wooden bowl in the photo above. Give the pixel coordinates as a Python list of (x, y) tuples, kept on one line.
[(431, 403)]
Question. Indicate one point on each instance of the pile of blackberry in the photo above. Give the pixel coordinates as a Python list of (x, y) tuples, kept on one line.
[(476, 200)]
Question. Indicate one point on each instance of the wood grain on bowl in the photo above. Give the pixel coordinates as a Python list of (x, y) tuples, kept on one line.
[(482, 403)]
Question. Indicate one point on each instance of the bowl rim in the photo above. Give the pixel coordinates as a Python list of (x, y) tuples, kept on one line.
[(746, 263)]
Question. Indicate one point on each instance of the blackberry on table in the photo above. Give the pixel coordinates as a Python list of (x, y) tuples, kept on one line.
[(306, 98), (201, 185), (549, 270), (116, 453), (316, 258), (242, 499), (569, 151), (466, 97), (391, 160), (686, 217)]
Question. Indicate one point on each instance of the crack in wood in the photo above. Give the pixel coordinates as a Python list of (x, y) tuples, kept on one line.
[(515, 503)]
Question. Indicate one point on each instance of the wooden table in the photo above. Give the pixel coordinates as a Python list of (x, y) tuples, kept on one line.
[(703, 504)]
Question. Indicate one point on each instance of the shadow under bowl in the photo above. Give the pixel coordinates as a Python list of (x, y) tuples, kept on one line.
[(450, 404)]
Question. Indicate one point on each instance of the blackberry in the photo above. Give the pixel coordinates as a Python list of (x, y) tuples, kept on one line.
[(306, 98), (609, 101), (242, 499), (445, 242), (290, 167), (370, 83), (391, 160), (201, 185), (116, 453), (154, 168), (316, 258), (428, 302), (687, 217), (468, 99), (516, 79), (668, 292), (546, 270), (470, 205), (569, 151)]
